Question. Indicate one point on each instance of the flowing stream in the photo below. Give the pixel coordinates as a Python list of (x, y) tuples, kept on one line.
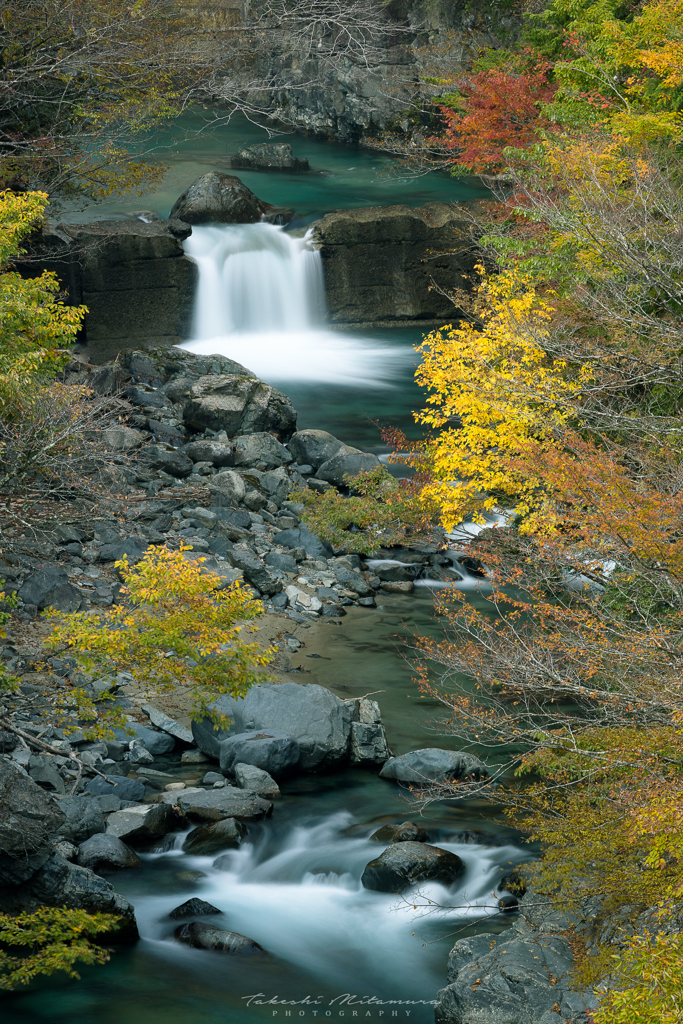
[(334, 949)]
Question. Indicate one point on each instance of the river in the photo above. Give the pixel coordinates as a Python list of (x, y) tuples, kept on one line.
[(334, 949)]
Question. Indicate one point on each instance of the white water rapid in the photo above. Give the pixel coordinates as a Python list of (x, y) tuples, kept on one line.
[(261, 300), (301, 898)]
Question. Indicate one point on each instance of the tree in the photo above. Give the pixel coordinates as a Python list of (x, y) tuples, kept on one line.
[(55, 939), (176, 628)]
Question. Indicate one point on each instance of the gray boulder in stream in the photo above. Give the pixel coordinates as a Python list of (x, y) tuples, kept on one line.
[(272, 751), (206, 936), (318, 720), (218, 198), (347, 461), (223, 835), (407, 864), (432, 764)]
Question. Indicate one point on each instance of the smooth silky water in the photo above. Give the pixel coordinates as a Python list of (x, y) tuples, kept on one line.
[(294, 885)]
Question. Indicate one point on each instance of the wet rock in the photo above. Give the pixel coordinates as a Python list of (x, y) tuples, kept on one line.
[(224, 835), (104, 852), (301, 537), (238, 405), (116, 785), (139, 753), (399, 588), (310, 714), (409, 863), (408, 832), (218, 198), (212, 777), (391, 572), (144, 821), (268, 156), (193, 757), (248, 776), (29, 820), (167, 724), (83, 818), (252, 449), (61, 884), (216, 804), (313, 447), (194, 908), (351, 580), (346, 461), (205, 936), (432, 764), (273, 752)]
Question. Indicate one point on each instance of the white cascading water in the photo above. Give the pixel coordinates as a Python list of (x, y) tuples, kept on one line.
[(261, 301), (304, 903)]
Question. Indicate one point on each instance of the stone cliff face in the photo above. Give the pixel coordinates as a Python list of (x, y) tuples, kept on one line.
[(381, 263), (348, 100)]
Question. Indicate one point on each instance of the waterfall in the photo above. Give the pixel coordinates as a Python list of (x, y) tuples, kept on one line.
[(261, 300)]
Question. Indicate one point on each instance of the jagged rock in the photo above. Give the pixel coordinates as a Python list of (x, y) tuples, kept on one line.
[(248, 776), (145, 821), (216, 804), (170, 460), (205, 936), (314, 717), (43, 771), (408, 832), (139, 753), (218, 198), (193, 908), (29, 821), (313, 447), (432, 764), (347, 461), (254, 570), (105, 851), (238, 405), (269, 156), (283, 562), (409, 863), (167, 724), (223, 835), (271, 751), (227, 488), (83, 818), (352, 580)]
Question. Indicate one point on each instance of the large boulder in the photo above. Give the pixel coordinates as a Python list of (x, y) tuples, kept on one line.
[(50, 588), (106, 852), (272, 751), (380, 262), (144, 821), (61, 884), (347, 461), (248, 776), (218, 198), (207, 839), (318, 720), (407, 832), (313, 447), (269, 156), (206, 936), (432, 764), (134, 278), (238, 405), (156, 742), (193, 908), (216, 804), (227, 488), (368, 740), (83, 818), (29, 820), (406, 864), (252, 449), (217, 453)]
